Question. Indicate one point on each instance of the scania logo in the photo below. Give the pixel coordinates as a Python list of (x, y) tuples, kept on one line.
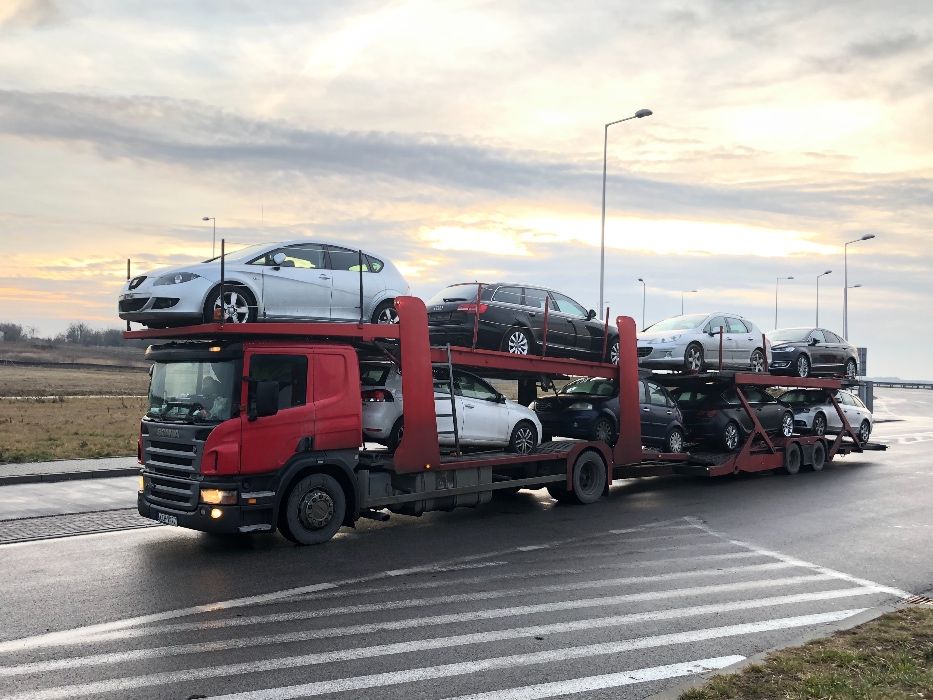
[(167, 432)]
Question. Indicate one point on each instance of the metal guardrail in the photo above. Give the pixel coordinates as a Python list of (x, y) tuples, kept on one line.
[(905, 385)]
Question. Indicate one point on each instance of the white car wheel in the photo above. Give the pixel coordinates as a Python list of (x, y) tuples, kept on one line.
[(757, 361), (787, 424), (236, 307), (517, 342), (851, 369), (524, 438)]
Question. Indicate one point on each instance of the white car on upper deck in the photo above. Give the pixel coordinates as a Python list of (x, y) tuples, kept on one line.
[(291, 280)]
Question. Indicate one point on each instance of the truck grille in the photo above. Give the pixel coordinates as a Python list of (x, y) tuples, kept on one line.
[(171, 491), (173, 447), (133, 304), (645, 351)]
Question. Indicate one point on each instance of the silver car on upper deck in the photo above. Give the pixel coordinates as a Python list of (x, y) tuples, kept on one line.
[(692, 342), (291, 280)]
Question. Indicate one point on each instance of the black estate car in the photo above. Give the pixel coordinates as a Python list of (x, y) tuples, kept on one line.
[(511, 319), (714, 415), (588, 408), (801, 352)]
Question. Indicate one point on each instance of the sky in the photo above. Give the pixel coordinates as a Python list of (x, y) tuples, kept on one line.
[(464, 140)]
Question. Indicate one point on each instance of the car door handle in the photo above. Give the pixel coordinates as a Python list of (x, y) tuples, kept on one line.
[(323, 277), (670, 413), (468, 405), (532, 313), (645, 409)]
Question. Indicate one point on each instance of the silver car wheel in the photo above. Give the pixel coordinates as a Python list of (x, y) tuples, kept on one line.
[(803, 366), (518, 343), (675, 443), (694, 358), (787, 424), (864, 431), (731, 436), (614, 353), (524, 440), (819, 424), (235, 308), (758, 362), (387, 315), (851, 369)]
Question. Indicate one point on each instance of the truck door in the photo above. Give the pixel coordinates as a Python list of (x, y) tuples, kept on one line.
[(270, 441)]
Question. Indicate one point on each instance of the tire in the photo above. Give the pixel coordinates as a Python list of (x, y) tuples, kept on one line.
[(731, 436), (792, 459), (693, 358), (802, 366), (675, 440), (314, 510), (604, 431), (517, 341), (612, 352), (819, 456), (757, 361), (524, 438), (395, 435), (589, 479), (239, 305), (864, 431), (851, 370), (559, 492), (385, 312), (819, 424), (787, 424)]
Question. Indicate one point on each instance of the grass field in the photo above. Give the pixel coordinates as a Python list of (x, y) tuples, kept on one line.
[(890, 657), (61, 381), (68, 427)]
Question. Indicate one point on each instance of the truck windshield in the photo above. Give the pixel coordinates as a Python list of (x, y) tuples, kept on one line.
[(192, 392)]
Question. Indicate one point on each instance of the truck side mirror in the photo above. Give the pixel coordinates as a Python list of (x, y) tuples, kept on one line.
[(267, 400)]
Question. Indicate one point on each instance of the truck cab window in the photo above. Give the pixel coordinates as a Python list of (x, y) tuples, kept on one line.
[(289, 371)]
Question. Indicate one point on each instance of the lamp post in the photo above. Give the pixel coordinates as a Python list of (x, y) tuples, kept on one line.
[(602, 236), (688, 291), (214, 237), (818, 296), (644, 296), (776, 281), (845, 291)]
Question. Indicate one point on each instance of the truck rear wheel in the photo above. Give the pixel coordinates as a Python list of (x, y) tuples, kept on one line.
[(589, 479), (819, 456), (792, 459), (314, 510)]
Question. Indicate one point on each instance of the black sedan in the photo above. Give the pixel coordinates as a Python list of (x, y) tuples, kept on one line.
[(511, 319), (801, 352), (714, 415), (588, 408)]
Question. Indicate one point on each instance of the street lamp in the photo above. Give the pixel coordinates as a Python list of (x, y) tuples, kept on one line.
[(644, 296), (845, 291), (818, 296), (214, 238), (602, 236), (775, 295), (688, 291)]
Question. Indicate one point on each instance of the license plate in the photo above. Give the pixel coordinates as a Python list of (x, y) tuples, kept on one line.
[(167, 519)]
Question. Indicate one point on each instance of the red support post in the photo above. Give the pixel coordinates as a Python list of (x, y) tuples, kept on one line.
[(627, 449), (605, 335), (127, 279), (547, 306), (479, 289)]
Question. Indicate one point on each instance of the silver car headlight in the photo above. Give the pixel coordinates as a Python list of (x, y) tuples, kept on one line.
[(671, 339), (175, 278), (580, 406)]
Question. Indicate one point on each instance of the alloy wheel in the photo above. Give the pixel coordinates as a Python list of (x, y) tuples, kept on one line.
[(614, 353), (518, 343), (675, 443), (803, 366), (758, 362), (819, 424), (387, 315), (235, 308), (731, 436), (864, 431), (694, 358), (787, 424), (851, 369), (524, 440)]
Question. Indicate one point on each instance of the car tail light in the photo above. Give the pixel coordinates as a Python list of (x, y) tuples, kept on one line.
[(377, 395), (707, 413), (471, 308)]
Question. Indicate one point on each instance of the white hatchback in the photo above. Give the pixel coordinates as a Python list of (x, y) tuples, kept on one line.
[(294, 280), (485, 418)]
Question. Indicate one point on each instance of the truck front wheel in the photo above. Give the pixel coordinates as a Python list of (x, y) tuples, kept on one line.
[(314, 510)]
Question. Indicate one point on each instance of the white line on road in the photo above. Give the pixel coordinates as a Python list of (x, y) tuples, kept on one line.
[(378, 680), (575, 686), (650, 616)]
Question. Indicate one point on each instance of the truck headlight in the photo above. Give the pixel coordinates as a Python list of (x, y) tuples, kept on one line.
[(218, 497), (175, 278)]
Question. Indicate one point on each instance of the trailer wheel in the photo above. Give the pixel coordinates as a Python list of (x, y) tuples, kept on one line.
[(589, 478), (314, 510), (792, 459), (819, 456)]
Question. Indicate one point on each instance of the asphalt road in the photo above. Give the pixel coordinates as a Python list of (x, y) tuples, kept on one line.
[(519, 599)]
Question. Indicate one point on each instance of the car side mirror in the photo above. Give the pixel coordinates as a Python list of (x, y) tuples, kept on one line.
[(266, 400), (591, 314), (814, 341), (279, 258), (500, 398)]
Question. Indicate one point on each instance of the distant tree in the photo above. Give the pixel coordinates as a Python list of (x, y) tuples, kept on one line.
[(12, 331)]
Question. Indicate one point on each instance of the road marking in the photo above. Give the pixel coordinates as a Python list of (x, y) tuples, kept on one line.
[(800, 562), (425, 644), (608, 680), (379, 680), (437, 600)]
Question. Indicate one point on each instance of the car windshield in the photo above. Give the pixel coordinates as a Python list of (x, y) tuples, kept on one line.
[(192, 392), (678, 323), (789, 335), (801, 396), (242, 253), (375, 374), (590, 386), (458, 292)]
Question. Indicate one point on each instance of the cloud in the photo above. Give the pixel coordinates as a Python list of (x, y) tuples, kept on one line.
[(882, 47), (29, 14)]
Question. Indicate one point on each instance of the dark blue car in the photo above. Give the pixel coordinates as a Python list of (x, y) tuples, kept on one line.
[(588, 409)]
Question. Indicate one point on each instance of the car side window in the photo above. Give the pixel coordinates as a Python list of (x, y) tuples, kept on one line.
[(508, 295), (642, 392), (818, 335), (715, 323), (568, 306), (856, 401), (846, 398), (731, 397), (736, 325), (471, 387), (375, 264), (656, 395), (306, 257), (289, 371), (346, 259), (832, 337), (535, 298)]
